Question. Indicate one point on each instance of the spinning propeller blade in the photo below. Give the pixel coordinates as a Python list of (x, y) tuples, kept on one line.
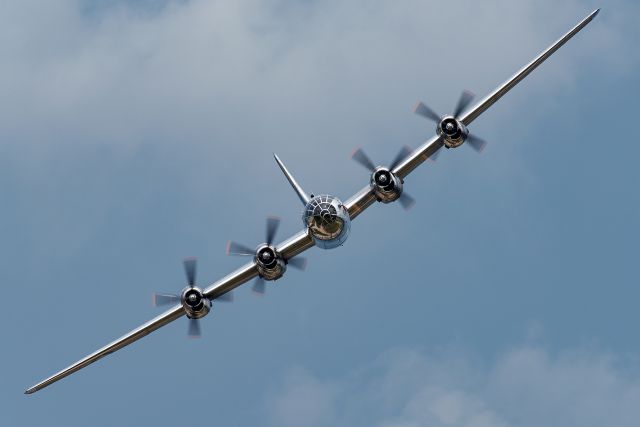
[(360, 157), (406, 201), (476, 143), (404, 152), (465, 99), (194, 328), (160, 300), (273, 222), (259, 286), (234, 248), (426, 112), (299, 263), (463, 102), (190, 271), (272, 225)]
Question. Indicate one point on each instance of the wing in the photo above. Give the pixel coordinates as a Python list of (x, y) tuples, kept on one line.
[(136, 334), (291, 247), (360, 201), (302, 240), (224, 285), (430, 146)]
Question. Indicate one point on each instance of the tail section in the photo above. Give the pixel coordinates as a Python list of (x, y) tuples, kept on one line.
[(304, 197)]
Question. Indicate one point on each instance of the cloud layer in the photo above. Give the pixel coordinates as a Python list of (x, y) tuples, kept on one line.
[(527, 386), (133, 134)]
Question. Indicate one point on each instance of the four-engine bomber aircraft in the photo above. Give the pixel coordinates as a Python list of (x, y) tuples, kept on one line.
[(327, 220)]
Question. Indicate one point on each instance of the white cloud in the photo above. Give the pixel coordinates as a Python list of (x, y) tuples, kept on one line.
[(212, 68), (526, 386), (304, 400), (240, 79), (244, 78)]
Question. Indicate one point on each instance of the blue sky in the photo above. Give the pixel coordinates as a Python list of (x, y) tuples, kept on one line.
[(134, 135)]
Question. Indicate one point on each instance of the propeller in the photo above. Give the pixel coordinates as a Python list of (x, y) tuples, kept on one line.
[(234, 248), (361, 157), (465, 99), (162, 299), (259, 286)]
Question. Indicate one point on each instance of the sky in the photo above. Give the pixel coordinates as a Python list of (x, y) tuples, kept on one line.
[(134, 134)]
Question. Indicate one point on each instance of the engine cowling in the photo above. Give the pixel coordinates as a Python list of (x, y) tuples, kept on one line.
[(195, 304), (452, 132), (270, 264), (386, 185)]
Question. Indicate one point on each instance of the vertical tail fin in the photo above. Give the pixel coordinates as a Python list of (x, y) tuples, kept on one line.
[(301, 194)]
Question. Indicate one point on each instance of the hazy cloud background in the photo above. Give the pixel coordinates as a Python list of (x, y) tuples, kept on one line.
[(133, 134), (524, 386)]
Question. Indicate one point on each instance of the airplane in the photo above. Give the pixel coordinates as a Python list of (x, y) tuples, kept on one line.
[(326, 219)]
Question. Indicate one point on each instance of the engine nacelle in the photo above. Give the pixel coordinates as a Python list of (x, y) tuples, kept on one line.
[(195, 304), (386, 185), (327, 220), (452, 132), (270, 264)]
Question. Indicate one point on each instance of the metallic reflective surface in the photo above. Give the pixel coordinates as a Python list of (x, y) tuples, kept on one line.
[(490, 99), (386, 185), (231, 281), (327, 220), (360, 201), (195, 304), (430, 146), (270, 264), (304, 198), (136, 334), (452, 132), (295, 245)]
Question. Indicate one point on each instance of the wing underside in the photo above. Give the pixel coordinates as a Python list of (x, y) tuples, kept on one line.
[(430, 146), (135, 335)]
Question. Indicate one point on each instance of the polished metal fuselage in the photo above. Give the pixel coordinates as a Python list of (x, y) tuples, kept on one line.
[(327, 220)]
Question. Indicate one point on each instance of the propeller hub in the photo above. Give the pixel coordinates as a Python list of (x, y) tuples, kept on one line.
[(195, 304), (449, 127), (386, 186), (452, 132), (193, 297), (383, 179), (268, 260), (270, 264)]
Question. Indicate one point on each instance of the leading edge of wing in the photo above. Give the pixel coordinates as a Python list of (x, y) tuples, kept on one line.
[(431, 145), (134, 335), (289, 248), (490, 99)]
